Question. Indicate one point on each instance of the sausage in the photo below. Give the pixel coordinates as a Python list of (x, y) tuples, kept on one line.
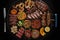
[(12, 23), (40, 13), (12, 19), (35, 15), (21, 30), (12, 15), (18, 35), (28, 33), (29, 16), (32, 15)]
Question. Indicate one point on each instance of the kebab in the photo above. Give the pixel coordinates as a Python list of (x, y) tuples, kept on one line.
[(48, 18), (12, 19), (44, 19), (34, 15)]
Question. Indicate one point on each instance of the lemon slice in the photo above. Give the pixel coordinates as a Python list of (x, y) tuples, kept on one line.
[(42, 31), (47, 29)]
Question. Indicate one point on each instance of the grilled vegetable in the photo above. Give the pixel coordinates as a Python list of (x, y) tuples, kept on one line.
[(27, 23), (35, 34)]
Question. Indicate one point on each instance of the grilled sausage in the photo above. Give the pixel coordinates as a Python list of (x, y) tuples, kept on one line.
[(28, 33)]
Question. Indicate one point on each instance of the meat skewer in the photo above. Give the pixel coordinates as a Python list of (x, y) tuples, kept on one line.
[(48, 18), (44, 19), (29, 16), (12, 19), (32, 15), (35, 15)]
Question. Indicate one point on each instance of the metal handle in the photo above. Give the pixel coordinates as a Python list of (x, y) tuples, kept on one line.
[(4, 10), (55, 20)]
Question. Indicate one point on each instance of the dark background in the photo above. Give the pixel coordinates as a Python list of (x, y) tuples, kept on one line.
[(54, 6)]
